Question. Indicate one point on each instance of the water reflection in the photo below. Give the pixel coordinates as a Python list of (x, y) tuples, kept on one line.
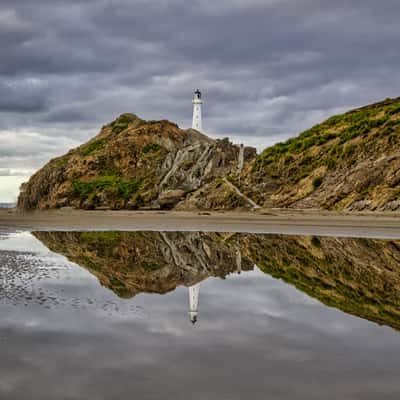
[(256, 336), (129, 263), (358, 276)]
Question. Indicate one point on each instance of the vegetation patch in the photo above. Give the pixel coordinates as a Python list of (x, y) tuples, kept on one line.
[(111, 238), (232, 179), (393, 138), (89, 263), (119, 287), (151, 148), (219, 182), (91, 147), (114, 185), (151, 266), (122, 122), (106, 166), (61, 162)]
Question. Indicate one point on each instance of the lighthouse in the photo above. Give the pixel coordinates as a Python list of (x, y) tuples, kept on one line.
[(197, 102), (194, 302)]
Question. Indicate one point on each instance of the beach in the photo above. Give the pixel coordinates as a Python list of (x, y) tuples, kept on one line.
[(371, 225)]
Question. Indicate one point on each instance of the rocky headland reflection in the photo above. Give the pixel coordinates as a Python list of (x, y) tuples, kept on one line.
[(129, 263), (357, 276)]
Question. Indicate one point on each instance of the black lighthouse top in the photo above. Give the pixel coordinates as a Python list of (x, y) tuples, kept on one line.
[(197, 94)]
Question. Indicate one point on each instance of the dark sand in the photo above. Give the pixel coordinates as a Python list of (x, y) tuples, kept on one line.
[(371, 225)]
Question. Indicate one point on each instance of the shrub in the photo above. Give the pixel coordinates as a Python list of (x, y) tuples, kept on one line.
[(122, 122), (349, 150), (107, 238), (111, 184), (232, 180), (394, 109), (309, 142), (336, 119), (127, 188), (91, 147), (326, 138), (288, 159), (118, 128), (336, 151), (295, 146), (348, 134), (151, 266), (219, 182), (330, 163), (307, 160), (317, 182), (151, 148), (61, 162), (82, 189), (315, 241), (393, 138)]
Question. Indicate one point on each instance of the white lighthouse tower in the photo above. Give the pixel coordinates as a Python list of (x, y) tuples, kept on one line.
[(194, 302), (197, 102)]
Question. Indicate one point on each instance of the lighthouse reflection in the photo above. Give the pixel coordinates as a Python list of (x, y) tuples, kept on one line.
[(194, 302), (194, 291), (357, 276)]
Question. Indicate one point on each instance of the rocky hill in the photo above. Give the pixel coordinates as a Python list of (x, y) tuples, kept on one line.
[(349, 162), (133, 164)]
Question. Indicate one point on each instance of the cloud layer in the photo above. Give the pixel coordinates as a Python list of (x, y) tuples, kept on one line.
[(268, 68)]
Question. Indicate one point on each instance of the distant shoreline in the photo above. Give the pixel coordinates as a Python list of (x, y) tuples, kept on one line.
[(7, 206), (291, 222)]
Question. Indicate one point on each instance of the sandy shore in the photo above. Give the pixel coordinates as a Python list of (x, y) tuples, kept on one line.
[(371, 225)]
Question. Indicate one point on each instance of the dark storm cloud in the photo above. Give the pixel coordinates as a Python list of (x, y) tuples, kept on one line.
[(268, 68)]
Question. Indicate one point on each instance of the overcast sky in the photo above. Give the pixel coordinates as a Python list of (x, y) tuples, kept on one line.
[(268, 68)]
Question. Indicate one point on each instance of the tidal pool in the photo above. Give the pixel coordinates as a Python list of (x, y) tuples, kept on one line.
[(174, 315)]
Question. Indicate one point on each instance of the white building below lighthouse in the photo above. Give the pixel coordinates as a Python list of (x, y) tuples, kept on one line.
[(197, 102)]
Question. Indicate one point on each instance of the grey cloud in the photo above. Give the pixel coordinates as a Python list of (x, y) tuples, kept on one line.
[(5, 172), (68, 114), (26, 151), (10, 172), (268, 69), (24, 95)]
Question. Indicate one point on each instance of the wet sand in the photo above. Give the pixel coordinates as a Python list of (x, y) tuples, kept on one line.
[(369, 225)]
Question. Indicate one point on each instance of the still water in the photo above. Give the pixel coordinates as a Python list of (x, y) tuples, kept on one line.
[(150, 315)]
